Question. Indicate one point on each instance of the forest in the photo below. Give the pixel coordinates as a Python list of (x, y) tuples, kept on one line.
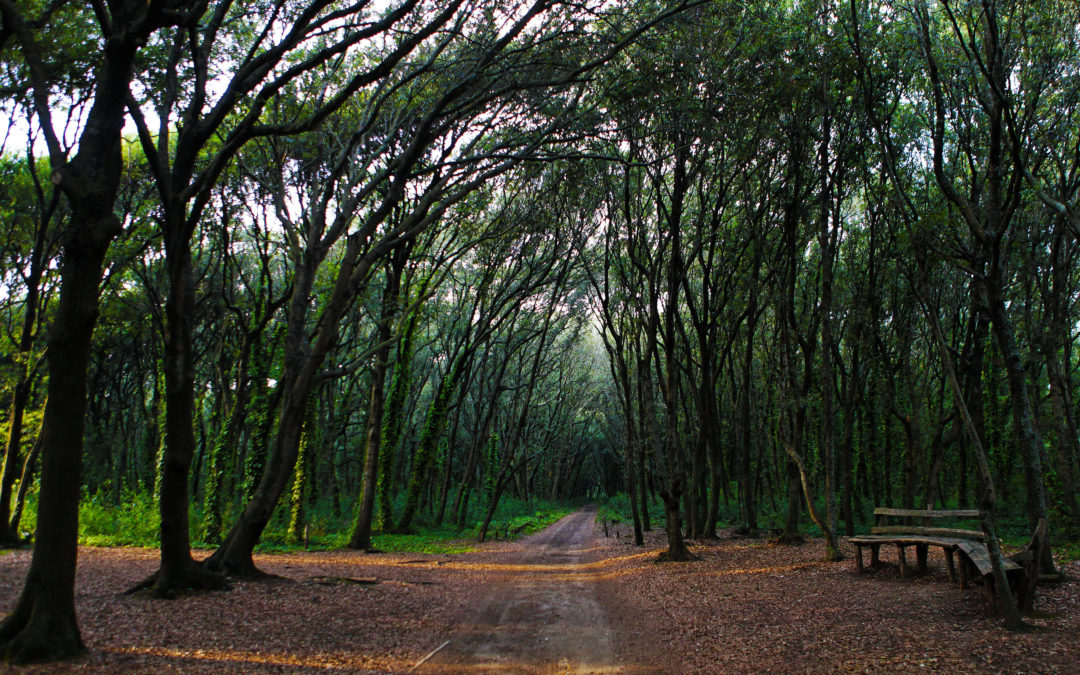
[(311, 271)]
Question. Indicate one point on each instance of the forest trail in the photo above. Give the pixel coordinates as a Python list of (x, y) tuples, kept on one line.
[(542, 615), (567, 600)]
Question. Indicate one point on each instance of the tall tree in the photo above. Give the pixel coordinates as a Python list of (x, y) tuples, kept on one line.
[(43, 625)]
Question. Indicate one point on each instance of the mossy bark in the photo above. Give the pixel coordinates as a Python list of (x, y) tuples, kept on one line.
[(302, 480), (223, 455), (393, 422), (429, 438)]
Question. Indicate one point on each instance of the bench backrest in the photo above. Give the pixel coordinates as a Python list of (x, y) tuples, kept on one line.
[(926, 516)]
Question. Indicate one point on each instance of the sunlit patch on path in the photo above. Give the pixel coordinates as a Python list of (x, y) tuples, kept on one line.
[(241, 659)]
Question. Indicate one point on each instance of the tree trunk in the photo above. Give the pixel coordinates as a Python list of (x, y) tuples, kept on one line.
[(13, 458), (178, 570), (1055, 345), (302, 476), (643, 488), (710, 427), (234, 556), (222, 458), (987, 499), (673, 460), (973, 392), (304, 359), (393, 422), (631, 489), (790, 534), (1027, 433), (42, 626), (24, 381), (1068, 438), (847, 445), (429, 438), (747, 507), (24, 484), (361, 534), (832, 549)]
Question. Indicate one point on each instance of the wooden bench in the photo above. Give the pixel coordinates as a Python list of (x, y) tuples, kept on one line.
[(972, 563)]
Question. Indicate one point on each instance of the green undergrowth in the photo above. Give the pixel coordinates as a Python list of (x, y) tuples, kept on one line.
[(133, 520), (616, 510), (529, 523), (1068, 551)]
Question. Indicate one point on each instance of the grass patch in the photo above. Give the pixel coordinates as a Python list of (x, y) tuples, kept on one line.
[(327, 531), (431, 541), (133, 520), (516, 518)]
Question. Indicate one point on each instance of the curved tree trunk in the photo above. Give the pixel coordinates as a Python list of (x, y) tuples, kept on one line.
[(24, 483), (234, 556), (987, 497)]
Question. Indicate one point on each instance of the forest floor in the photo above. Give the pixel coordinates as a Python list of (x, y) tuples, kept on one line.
[(565, 600)]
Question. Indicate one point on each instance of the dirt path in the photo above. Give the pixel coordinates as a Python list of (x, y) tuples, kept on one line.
[(541, 614), (569, 600)]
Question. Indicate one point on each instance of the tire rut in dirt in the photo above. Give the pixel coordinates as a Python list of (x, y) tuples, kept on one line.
[(542, 615)]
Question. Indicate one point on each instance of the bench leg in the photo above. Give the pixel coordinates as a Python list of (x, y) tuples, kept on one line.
[(902, 554), (920, 556), (990, 588), (875, 560), (950, 564), (858, 558)]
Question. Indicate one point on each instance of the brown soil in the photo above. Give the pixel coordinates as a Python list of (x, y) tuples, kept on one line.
[(568, 600), (541, 613)]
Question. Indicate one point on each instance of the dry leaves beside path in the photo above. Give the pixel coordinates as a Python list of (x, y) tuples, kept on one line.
[(751, 606), (748, 606)]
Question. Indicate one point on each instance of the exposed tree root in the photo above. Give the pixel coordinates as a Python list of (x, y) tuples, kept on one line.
[(677, 555), (10, 540), (789, 539), (236, 567), (42, 636), (169, 583), (746, 532)]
